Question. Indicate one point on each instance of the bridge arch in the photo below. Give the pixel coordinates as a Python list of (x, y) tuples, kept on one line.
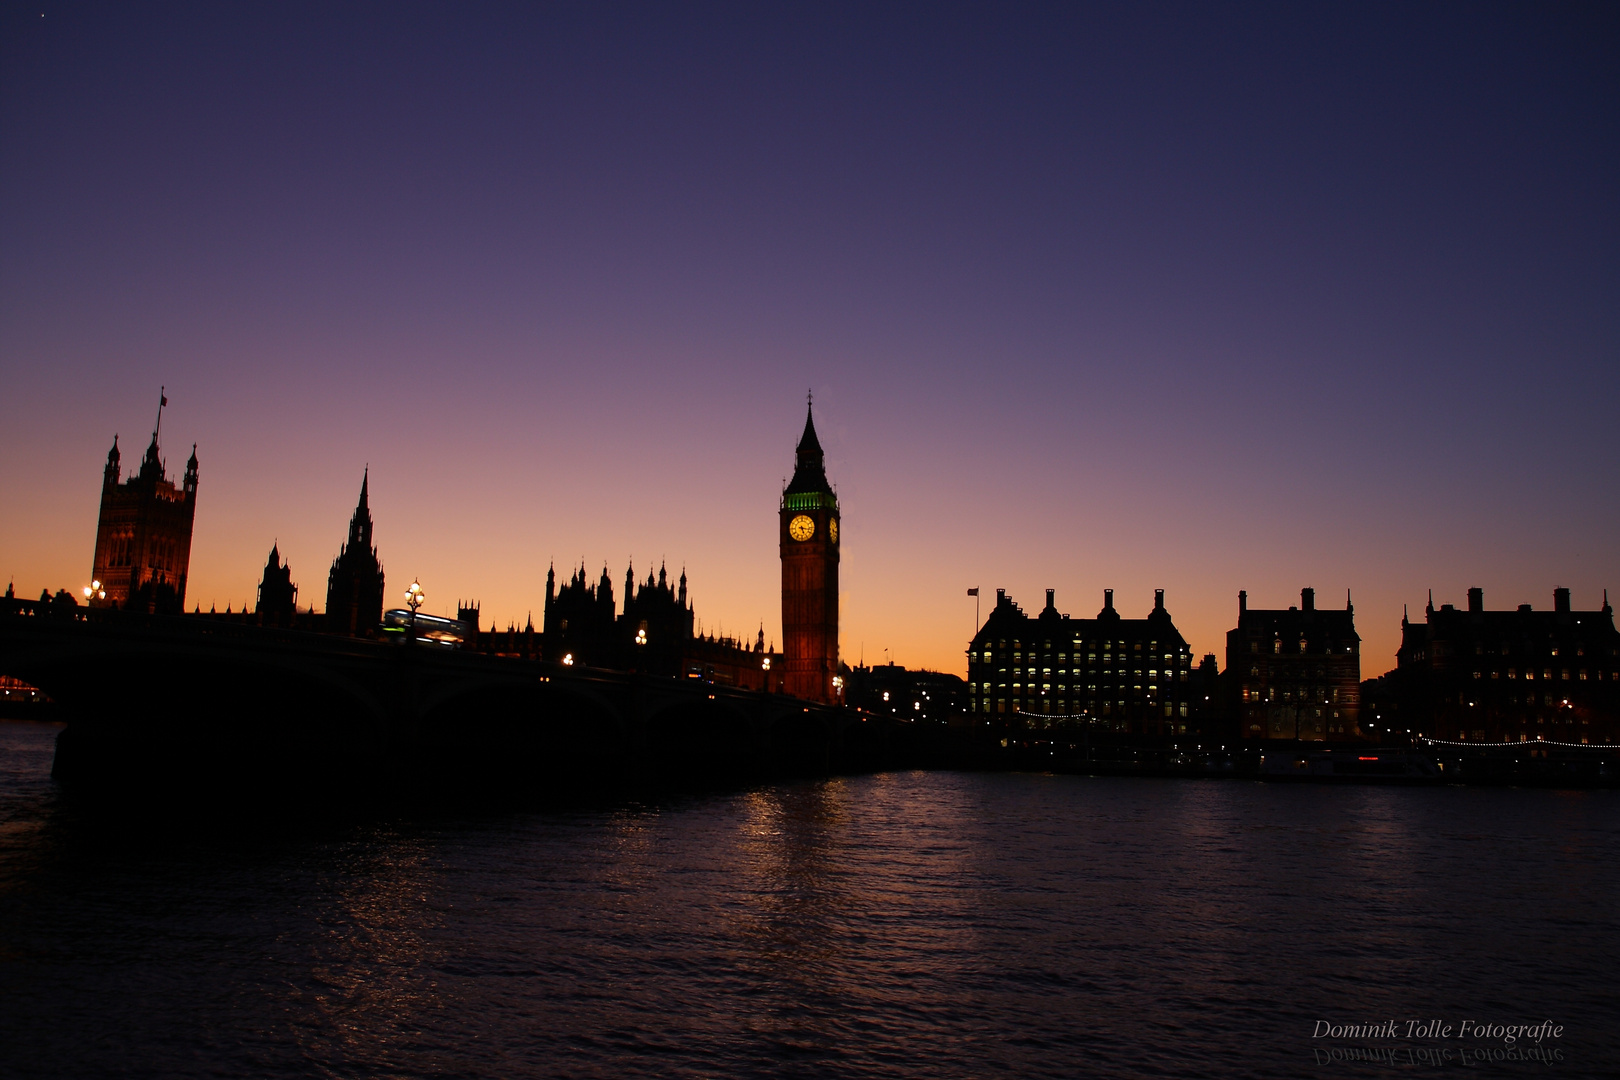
[(526, 732), (704, 738)]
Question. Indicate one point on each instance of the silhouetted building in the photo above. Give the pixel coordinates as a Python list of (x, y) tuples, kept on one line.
[(579, 620), (1132, 674), (468, 612), (1510, 676), (1295, 674), (525, 643), (354, 588), (656, 624), (896, 691), (653, 635), (278, 596), (1210, 704), (143, 536), (729, 661), (809, 548)]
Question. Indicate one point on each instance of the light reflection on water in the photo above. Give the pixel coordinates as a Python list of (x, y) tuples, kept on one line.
[(917, 924)]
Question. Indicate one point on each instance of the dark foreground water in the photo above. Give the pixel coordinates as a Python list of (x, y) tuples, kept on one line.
[(907, 925)]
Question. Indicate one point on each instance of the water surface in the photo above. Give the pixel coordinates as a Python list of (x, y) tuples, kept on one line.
[(909, 925)]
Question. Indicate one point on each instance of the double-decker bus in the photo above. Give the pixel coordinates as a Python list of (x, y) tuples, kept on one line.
[(433, 629)]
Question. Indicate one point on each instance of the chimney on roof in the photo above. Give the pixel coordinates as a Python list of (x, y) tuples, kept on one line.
[(1049, 593), (1476, 600), (1561, 600), (1001, 597), (1307, 599), (1243, 601)]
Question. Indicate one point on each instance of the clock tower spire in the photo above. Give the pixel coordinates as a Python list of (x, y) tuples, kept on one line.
[(809, 544)]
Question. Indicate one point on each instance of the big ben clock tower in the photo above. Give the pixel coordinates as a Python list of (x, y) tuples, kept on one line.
[(809, 539)]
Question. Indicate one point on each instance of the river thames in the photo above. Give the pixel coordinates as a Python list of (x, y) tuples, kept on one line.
[(920, 924)]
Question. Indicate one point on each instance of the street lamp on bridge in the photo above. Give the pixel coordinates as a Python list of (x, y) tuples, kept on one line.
[(413, 598)]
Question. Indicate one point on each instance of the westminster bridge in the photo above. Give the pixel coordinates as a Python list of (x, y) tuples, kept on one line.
[(179, 699)]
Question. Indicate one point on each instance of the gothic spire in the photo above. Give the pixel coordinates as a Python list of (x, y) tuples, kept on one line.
[(810, 470), (360, 524), (809, 445)]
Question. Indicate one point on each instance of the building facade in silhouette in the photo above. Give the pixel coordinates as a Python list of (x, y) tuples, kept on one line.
[(809, 541), (580, 618), (1295, 673), (657, 622), (354, 588), (143, 534), (1517, 675), (892, 690), (278, 596), (1128, 675), (654, 633)]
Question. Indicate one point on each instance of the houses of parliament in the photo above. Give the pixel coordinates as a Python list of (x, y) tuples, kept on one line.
[(143, 552)]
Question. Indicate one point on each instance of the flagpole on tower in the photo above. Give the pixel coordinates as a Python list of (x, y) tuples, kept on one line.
[(162, 401)]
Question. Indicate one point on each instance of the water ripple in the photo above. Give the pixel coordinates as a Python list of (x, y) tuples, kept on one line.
[(900, 925)]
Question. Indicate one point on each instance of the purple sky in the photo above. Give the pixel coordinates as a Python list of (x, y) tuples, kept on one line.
[(1131, 296)]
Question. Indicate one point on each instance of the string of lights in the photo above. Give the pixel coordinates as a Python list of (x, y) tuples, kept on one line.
[(1527, 743), (1062, 716)]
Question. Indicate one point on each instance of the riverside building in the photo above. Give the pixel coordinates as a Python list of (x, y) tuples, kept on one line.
[(143, 533), (1296, 673), (355, 584), (1516, 675), (1132, 675)]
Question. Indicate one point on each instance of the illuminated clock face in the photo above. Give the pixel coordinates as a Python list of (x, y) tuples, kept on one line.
[(801, 528), (832, 530)]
